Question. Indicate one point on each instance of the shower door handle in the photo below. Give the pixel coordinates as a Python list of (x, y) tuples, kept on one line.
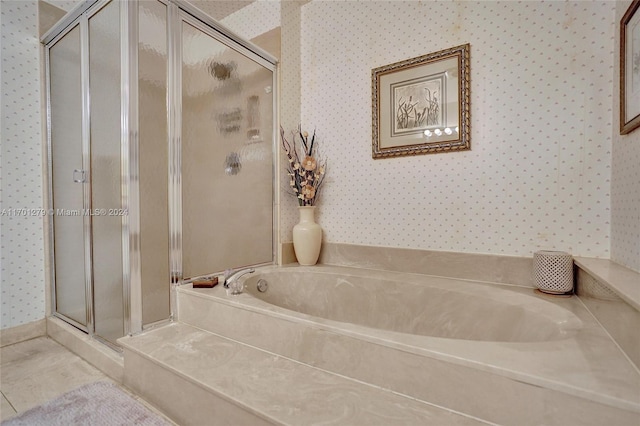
[(79, 176)]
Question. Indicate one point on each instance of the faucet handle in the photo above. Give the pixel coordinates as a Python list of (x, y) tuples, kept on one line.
[(235, 287), (228, 273)]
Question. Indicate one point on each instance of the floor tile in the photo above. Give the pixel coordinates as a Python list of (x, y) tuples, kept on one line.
[(38, 370), (6, 410)]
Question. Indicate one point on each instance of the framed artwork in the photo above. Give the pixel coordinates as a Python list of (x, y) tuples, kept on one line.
[(630, 69), (421, 105)]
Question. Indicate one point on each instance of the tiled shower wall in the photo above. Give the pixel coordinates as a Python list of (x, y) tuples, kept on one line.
[(625, 179), (538, 173)]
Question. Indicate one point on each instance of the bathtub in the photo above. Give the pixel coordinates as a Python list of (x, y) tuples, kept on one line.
[(495, 352), (422, 307)]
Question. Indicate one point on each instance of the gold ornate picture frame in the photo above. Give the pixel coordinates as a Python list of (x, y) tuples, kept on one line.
[(422, 105), (630, 69)]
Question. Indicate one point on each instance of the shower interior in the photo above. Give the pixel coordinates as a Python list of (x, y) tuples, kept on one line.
[(161, 159)]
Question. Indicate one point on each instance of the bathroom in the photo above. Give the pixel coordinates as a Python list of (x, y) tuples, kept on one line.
[(547, 169)]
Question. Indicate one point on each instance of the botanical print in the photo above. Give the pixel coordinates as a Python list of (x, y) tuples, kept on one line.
[(635, 56), (421, 104), (418, 105), (630, 48)]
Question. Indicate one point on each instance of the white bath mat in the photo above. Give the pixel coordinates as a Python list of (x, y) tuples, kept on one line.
[(95, 404)]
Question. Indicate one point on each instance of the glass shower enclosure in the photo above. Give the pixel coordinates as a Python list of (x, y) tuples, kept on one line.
[(161, 142)]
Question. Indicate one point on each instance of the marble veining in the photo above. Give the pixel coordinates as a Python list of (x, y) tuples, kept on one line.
[(275, 388), (577, 360), (422, 307), (617, 316), (623, 281), (493, 268)]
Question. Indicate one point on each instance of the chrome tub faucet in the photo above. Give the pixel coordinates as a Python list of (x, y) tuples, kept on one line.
[(231, 278)]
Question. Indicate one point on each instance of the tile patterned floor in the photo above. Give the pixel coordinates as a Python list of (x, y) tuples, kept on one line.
[(39, 370)]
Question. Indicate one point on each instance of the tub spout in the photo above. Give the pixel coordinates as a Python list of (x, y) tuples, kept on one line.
[(231, 279)]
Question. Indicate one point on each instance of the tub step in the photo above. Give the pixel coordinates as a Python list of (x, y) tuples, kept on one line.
[(197, 377), (493, 393)]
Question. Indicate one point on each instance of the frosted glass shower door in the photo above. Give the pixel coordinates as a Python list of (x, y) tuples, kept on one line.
[(153, 161), (86, 174), (227, 155), (106, 172), (68, 177)]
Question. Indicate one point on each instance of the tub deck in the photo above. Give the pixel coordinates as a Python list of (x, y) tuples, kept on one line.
[(583, 378), (215, 380)]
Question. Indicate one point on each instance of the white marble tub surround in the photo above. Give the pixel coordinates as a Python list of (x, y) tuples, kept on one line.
[(580, 375), (621, 280), (437, 307), (493, 268), (616, 315), (197, 376)]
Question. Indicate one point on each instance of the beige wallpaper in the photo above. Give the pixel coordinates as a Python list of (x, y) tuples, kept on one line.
[(625, 179), (22, 242), (547, 169), (538, 173)]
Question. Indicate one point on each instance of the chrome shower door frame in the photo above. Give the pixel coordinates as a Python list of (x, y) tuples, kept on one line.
[(68, 25), (178, 11), (80, 16), (181, 11)]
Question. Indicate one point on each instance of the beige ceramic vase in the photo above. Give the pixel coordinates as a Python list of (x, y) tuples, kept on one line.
[(307, 237)]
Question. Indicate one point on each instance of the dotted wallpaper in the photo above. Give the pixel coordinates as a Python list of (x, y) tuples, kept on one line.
[(538, 173), (22, 263), (625, 179), (290, 97), (547, 169)]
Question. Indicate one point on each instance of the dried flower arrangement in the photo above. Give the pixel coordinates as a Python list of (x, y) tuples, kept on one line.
[(306, 175)]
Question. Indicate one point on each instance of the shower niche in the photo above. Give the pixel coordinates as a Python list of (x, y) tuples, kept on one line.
[(139, 196)]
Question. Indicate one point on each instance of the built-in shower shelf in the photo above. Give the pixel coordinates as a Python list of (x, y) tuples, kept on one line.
[(197, 377)]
